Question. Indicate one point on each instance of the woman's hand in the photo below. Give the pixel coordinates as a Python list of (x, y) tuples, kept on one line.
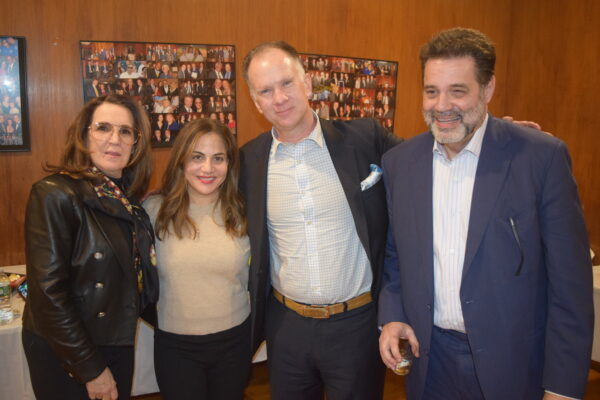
[(102, 387)]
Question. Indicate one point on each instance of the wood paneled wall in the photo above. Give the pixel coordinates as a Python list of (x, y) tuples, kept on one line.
[(554, 78), (547, 66)]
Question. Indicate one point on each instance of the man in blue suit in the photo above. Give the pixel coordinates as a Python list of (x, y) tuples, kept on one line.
[(487, 271)]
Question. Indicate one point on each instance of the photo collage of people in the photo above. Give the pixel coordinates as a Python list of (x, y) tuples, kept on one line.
[(348, 88), (11, 116), (175, 83)]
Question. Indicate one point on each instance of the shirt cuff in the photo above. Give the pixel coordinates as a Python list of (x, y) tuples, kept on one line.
[(564, 397)]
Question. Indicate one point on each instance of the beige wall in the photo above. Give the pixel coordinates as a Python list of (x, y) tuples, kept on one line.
[(547, 69)]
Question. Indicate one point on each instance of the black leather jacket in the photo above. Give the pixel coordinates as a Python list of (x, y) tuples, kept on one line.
[(80, 273)]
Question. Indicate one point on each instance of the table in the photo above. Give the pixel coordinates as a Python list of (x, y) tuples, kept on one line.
[(14, 381)]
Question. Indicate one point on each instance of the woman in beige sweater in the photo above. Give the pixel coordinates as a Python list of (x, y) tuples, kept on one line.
[(202, 347)]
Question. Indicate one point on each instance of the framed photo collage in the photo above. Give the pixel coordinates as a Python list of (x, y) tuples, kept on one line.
[(175, 83), (347, 88)]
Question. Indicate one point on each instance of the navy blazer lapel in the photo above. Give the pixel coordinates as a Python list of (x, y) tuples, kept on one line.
[(421, 190), (344, 160), (493, 166), (259, 192)]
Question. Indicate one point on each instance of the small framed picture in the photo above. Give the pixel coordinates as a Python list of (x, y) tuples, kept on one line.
[(14, 128)]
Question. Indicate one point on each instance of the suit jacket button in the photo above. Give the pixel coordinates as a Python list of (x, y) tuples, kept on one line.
[(98, 255), (429, 307), (99, 285), (101, 314)]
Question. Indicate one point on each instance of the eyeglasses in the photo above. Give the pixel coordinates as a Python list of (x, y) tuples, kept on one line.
[(103, 131)]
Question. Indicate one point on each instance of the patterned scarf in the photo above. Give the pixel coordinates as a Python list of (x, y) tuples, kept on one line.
[(146, 279)]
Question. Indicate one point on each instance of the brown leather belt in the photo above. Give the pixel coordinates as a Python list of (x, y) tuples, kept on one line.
[(322, 311)]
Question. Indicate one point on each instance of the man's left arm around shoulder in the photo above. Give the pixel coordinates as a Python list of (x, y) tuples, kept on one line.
[(385, 139), (570, 318)]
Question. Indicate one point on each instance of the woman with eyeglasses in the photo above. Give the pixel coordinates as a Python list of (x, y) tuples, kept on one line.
[(202, 341), (91, 264)]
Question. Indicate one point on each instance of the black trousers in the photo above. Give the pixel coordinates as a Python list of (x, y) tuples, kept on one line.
[(338, 356), (51, 382), (214, 366)]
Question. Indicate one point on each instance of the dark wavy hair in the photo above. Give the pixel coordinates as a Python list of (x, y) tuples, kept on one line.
[(173, 213), (462, 42), (76, 159)]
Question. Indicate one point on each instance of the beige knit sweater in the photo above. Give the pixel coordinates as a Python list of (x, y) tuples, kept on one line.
[(203, 281)]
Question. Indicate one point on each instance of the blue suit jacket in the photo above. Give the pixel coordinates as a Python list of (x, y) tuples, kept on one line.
[(529, 331), (353, 146)]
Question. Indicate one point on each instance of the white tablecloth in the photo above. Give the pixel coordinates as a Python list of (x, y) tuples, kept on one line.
[(14, 381), (144, 380)]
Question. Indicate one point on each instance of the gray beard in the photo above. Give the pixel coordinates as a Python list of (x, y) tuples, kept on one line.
[(455, 135)]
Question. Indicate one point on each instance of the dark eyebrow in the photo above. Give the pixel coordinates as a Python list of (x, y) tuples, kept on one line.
[(201, 153), (110, 123)]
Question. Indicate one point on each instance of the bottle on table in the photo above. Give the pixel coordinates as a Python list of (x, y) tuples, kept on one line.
[(6, 311)]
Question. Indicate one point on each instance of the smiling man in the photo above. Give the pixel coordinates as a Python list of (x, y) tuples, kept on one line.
[(487, 270), (317, 236)]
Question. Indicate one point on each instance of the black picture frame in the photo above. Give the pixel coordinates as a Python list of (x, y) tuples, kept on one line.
[(367, 87), (162, 76), (14, 117)]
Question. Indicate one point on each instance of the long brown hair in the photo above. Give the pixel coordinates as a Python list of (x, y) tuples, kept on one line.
[(173, 212), (76, 158)]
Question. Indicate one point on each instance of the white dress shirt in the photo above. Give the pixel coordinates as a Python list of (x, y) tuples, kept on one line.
[(453, 182)]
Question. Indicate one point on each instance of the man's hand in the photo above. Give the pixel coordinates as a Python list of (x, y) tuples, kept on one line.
[(529, 124), (102, 387), (389, 339)]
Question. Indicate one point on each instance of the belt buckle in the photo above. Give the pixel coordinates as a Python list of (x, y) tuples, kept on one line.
[(315, 312)]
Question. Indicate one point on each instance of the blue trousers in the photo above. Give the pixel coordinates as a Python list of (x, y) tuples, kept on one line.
[(451, 372)]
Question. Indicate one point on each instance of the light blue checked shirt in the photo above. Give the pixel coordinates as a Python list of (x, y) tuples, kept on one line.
[(316, 255)]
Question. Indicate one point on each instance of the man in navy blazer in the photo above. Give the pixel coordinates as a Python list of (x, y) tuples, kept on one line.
[(313, 275), (487, 271)]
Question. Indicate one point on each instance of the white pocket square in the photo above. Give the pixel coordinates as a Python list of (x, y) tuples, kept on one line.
[(373, 177)]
